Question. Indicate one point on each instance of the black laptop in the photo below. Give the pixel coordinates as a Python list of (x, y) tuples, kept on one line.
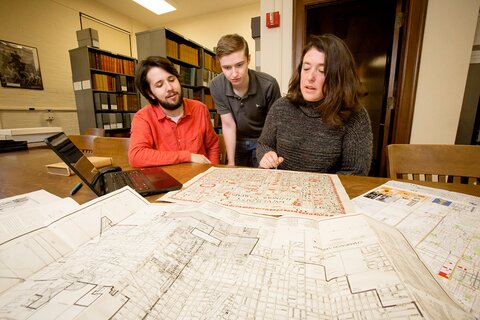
[(146, 181)]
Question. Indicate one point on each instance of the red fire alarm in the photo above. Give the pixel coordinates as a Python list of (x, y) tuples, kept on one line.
[(273, 19)]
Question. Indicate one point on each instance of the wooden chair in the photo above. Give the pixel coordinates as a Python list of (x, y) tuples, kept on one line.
[(438, 163), (223, 150), (95, 132), (116, 148), (83, 142)]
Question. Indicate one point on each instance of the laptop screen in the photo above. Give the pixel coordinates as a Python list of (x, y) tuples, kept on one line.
[(74, 158), (146, 181)]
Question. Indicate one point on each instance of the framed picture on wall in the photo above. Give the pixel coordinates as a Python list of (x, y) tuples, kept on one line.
[(19, 66)]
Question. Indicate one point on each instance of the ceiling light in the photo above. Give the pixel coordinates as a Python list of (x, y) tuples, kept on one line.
[(156, 6)]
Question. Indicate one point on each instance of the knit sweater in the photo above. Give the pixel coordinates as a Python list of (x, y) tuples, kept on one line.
[(299, 135)]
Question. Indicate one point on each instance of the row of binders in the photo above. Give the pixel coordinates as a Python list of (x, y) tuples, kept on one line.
[(208, 100), (215, 118), (119, 83), (188, 75), (116, 101), (194, 77), (196, 95), (189, 55), (107, 63), (211, 63), (182, 52), (116, 120)]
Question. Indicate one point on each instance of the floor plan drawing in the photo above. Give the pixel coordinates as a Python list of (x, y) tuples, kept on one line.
[(27, 200), (444, 229), (43, 237), (211, 262), (271, 192)]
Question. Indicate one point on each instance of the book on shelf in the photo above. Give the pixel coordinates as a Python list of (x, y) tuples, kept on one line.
[(106, 121), (208, 100), (115, 120), (127, 102), (112, 98), (188, 75), (104, 82), (122, 84), (108, 63), (119, 120), (188, 93), (172, 48), (188, 54), (97, 101), (61, 168), (104, 101)]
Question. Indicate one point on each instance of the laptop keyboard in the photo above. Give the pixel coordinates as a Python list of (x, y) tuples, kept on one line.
[(134, 179)]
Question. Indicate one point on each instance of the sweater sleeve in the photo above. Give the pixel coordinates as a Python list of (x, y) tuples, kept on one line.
[(268, 139), (357, 145)]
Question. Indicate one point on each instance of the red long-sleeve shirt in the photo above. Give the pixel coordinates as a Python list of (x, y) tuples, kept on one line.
[(157, 140)]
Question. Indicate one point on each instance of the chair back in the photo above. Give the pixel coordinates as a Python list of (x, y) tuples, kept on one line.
[(95, 132), (116, 148), (223, 150), (438, 163), (83, 142)]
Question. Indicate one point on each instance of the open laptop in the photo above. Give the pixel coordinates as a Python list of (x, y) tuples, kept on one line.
[(146, 181)]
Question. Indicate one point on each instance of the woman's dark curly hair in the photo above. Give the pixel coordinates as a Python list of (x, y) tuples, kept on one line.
[(341, 89)]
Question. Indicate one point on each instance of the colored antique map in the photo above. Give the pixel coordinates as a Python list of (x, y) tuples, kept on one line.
[(271, 192)]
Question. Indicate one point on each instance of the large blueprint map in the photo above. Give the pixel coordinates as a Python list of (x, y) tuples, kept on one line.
[(271, 192), (210, 262), (442, 226), (40, 233)]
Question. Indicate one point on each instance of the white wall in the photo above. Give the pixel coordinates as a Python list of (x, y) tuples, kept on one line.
[(447, 46), (50, 26), (276, 43), (207, 29)]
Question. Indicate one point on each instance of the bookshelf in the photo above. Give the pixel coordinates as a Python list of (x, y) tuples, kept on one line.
[(196, 64), (104, 89)]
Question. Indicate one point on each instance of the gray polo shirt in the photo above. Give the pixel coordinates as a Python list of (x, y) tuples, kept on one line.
[(250, 111)]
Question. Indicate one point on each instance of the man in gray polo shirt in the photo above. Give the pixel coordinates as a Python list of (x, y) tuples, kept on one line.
[(242, 98)]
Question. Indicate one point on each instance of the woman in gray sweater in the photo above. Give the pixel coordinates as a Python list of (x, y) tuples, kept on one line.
[(320, 125)]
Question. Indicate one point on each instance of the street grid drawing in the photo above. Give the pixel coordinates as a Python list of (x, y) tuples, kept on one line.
[(443, 228), (193, 264), (410, 252)]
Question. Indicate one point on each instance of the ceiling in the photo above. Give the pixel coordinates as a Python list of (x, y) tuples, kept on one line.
[(185, 9)]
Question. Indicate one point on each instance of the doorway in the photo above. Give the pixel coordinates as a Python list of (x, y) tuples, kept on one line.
[(385, 37), (367, 29)]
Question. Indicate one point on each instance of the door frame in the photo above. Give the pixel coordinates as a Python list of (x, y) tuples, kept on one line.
[(406, 79)]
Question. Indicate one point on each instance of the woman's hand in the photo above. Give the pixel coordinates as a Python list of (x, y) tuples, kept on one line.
[(270, 160)]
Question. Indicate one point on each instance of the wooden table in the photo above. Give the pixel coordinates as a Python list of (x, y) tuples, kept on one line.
[(24, 171)]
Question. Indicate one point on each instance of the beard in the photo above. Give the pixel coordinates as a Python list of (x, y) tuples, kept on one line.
[(172, 106)]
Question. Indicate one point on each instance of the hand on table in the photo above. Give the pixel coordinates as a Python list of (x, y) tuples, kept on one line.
[(199, 158), (270, 160)]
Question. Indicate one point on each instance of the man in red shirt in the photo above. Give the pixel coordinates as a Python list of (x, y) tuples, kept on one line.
[(171, 129)]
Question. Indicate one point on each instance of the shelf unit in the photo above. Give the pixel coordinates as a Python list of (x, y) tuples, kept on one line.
[(104, 88), (196, 64)]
